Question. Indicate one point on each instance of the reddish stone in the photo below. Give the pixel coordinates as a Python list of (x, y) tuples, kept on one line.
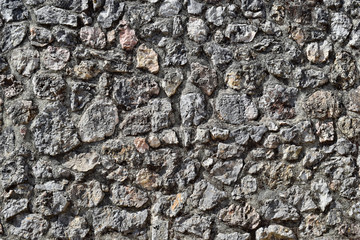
[(128, 39), (141, 145)]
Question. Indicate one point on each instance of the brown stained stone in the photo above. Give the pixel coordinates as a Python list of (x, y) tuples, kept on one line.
[(147, 179), (86, 70), (322, 104), (128, 39), (141, 145), (318, 53), (11, 86), (93, 37), (235, 215), (147, 59)]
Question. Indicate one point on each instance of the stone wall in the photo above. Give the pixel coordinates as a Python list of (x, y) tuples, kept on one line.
[(179, 119)]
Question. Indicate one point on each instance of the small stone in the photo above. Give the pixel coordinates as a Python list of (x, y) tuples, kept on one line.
[(276, 210), (86, 70), (235, 109), (343, 72), (169, 137), (240, 33), (178, 28), (275, 231), (176, 55), (14, 207), (272, 141), (124, 196), (53, 131), (310, 78), (81, 94), (51, 203), (137, 122), (322, 104), (352, 100), (290, 152), (253, 8), (226, 151), (55, 58), (219, 134), (65, 36), (318, 53), (197, 30), (87, 194), (245, 217), (13, 172), (98, 121), (325, 131), (153, 141), (196, 224), (220, 56), (159, 229), (11, 36), (49, 86), (203, 77), (233, 236), (11, 86), (349, 126), (248, 185), (135, 91), (322, 193), (3, 64), (148, 180), (214, 15), (170, 8), (25, 61), (195, 7), (53, 16), (340, 27), (83, 162), (147, 59), (111, 13), (141, 145), (77, 228), (207, 195), (21, 111), (111, 36), (127, 37), (14, 10), (192, 109), (31, 226), (280, 68), (172, 81), (93, 37), (227, 172), (40, 37)]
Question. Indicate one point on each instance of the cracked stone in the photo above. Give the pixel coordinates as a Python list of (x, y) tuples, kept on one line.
[(318, 52), (11, 36), (322, 104), (170, 8), (276, 210), (25, 61), (83, 162), (252, 8)]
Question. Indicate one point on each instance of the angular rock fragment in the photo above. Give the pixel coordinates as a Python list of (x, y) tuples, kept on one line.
[(83, 162), (98, 121), (171, 81), (50, 203), (53, 131), (197, 30), (349, 126), (81, 94), (111, 13), (233, 236), (127, 36), (192, 109), (276, 210), (227, 172), (203, 77), (275, 231), (215, 16), (65, 36), (161, 114), (49, 86), (11, 36), (235, 109), (170, 8), (344, 71), (86, 70), (198, 225), (240, 33), (206, 196), (14, 172), (322, 104), (147, 59), (137, 122), (248, 185), (87, 194), (340, 27), (25, 61), (352, 102), (14, 207), (21, 111), (52, 16), (219, 56), (290, 152), (195, 7), (31, 226), (147, 179), (134, 92), (40, 37), (280, 68), (13, 10), (310, 78), (318, 52), (325, 131), (252, 8), (322, 193), (245, 217), (55, 58), (11, 86), (93, 37), (159, 228), (176, 55), (124, 196)]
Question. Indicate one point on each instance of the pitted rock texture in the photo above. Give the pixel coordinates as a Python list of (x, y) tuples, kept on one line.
[(179, 119)]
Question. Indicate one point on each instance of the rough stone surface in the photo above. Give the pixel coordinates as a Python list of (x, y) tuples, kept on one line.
[(49, 86)]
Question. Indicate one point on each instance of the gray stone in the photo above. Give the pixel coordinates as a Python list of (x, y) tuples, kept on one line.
[(275, 231), (77, 228), (65, 36), (322, 193), (93, 37), (214, 15), (40, 37), (170, 8), (248, 185), (312, 157), (276, 210), (55, 58), (206, 196), (340, 27), (81, 94), (159, 229), (310, 78), (51, 203), (11, 36), (14, 207), (87, 194), (344, 71), (204, 77), (32, 226), (11, 86), (86, 70), (3, 64), (325, 131), (112, 12), (198, 225), (14, 172), (52, 16), (233, 236), (197, 30), (13, 10), (290, 152), (227, 172), (349, 126), (50, 86), (280, 68), (83, 162), (235, 109), (352, 102), (53, 131), (124, 196), (240, 33), (176, 55), (318, 52), (253, 8), (195, 7), (137, 122), (245, 217), (171, 81), (192, 109), (25, 61), (322, 104), (98, 121), (21, 111), (219, 56)]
